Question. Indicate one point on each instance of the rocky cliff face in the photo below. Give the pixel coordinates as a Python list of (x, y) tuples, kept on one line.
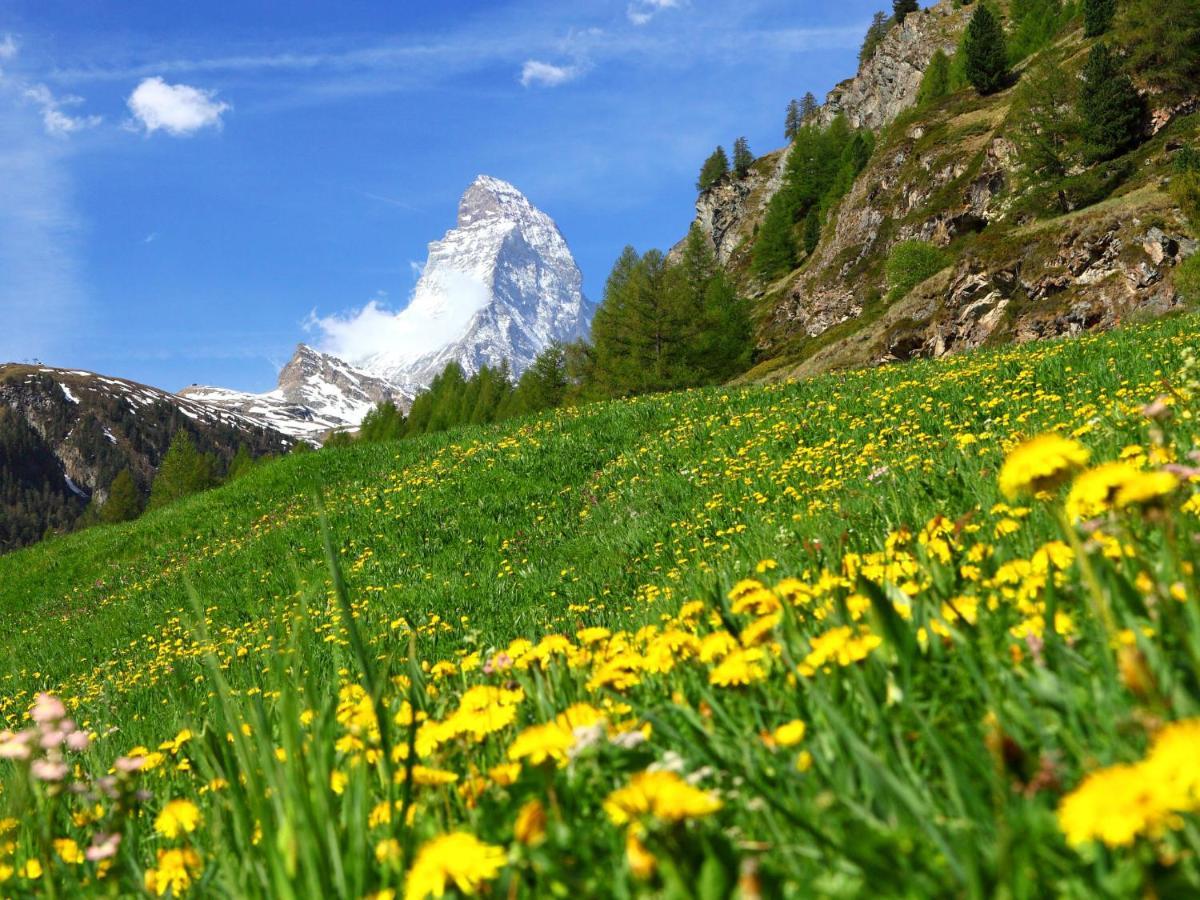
[(1028, 259), (886, 84)]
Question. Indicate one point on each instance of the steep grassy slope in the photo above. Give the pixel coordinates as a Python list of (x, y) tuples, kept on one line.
[(853, 565)]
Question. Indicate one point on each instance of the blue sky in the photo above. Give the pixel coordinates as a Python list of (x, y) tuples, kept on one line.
[(182, 184)]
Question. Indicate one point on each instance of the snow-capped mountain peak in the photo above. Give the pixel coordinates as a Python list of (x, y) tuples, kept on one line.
[(501, 285)]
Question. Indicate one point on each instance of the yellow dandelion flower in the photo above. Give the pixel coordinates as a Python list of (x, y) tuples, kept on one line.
[(177, 817), (530, 827), (459, 859), (1041, 464), (176, 870), (539, 743), (663, 795)]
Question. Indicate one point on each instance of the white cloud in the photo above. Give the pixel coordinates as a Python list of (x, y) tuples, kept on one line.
[(642, 11), (177, 109), (439, 311), (8, 47), (544, 74), (57, 122)]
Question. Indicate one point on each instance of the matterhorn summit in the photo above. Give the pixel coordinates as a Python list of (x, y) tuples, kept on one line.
[(501, 285)]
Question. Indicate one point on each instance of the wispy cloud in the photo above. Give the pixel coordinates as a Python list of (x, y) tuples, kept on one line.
[(55, 119), (178, 109), (640, 12), (543, 74), (8, 47), (42, 303)]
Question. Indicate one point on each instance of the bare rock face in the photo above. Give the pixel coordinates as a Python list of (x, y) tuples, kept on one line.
[(887, 83), (728, 211), (1095, 276)]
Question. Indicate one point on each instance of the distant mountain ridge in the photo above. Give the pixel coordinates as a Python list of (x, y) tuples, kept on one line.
[(500, 286), (65, 434)]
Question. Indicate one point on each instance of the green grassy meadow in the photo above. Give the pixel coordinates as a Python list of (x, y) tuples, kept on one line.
[(572, 654)]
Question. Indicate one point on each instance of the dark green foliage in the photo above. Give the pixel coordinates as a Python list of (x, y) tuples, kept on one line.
[(985, 53), (821, 168), (808, 107), (911, 262), (1046, 129), (1111, 112), (1033, 24), (384, 423), (714, 169), (242, 462), (901, 9), (1161, 39), (743, 159), (876, 32), (664, 327), (543, 385), (1098, 16), (34, 496), (124, 501), (812, 230), (1185, 183), (935, 82), (792, 120), (775, 246), (184, 471)]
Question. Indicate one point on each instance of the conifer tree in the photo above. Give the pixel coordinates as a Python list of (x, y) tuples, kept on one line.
[(1161, 39), (1111, 112), (1098, 16), (935, 83), (808, 108), (902, 8), (743, 159), (383, 423), (124, 500), (812, 230), (775, 247), (791, 122), (876, 32), (714, 169), (183, 471), (985, 51)]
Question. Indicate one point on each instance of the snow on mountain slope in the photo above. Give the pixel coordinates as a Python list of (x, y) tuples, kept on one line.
[(317, 394), (501, 285)]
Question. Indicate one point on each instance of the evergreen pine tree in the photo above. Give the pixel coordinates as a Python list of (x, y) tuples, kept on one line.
[(986, 55), (743, 159), (1161, 39), (791, 121), (808, 108), (902, 8), (876, 32), (812, 230), (124, 500), (1111, 112), (383, 423), (775, 247), (935, 83), (1098, 16), (183, 471), (714, 169), (611, 336)]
